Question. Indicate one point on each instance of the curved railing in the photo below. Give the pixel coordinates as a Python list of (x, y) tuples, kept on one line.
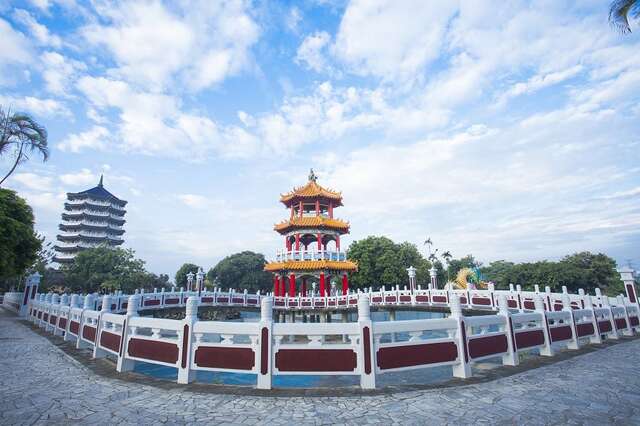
[(522, 321)]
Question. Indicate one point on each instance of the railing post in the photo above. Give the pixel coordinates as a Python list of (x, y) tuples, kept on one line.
[(511, 357), (621, 302), (545, 350), (462, 369), (64, 302), (574, 343), (55, 300), (606, 305), (265, 344), (366, 352), (87, 306), (519, 295), (106, 308), (125, 364), (185, 374), (588, 305)]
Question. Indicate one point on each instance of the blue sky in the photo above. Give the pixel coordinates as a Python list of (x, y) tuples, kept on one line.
[(506, 129)]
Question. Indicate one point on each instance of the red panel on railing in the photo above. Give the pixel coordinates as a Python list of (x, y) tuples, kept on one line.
[(480, 301), (39, 314), (404, 298), (512, 303), (154, 302), (223, 299), (45, 317), (316, 360), (634, 321), (89, 333), (559, 334), (293, 303), (390, 299), (156, 351), (110, 341), (527, 339), (306, 303), (52, 319), (376, 299), (74, 327), (621, 323), (631, 293), (440, 299), (409, 356), (171, 301), (252, 301), (353, 301), (585, 329), (124, 305), (231, 358), (558, 307), (279, 303), (604, 326), (264, 351), (207, 299), (490, 345), (237, 300), (529, 304), (62, 323), (463, 300)]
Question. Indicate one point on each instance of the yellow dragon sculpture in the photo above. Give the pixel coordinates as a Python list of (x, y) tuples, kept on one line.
[(468, 279)]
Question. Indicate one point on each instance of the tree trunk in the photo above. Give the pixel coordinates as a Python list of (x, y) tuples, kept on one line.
[(18, 158)]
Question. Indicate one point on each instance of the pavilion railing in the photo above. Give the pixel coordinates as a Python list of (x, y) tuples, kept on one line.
[(521, 322)]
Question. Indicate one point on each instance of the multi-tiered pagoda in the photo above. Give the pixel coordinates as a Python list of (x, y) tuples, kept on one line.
[(312, 242), (91, 218)]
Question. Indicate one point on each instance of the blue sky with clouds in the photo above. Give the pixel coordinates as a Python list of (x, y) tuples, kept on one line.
[(506, 129)]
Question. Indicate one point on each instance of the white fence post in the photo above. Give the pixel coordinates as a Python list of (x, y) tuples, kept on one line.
[(511, 357), (545, 350), (125, 364), (463, 368), (106, 308), (87, 306), (265, 340), (366, 354), (588, 305), (574, 343), (185, 374), (621, 302)]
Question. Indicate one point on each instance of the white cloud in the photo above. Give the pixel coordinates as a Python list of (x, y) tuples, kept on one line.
[(293, 19), (202, 43), (390, 39), (36, 106), (38, 31), (14, 46), (194, 201), (96, 138), (538, 82), (59, 71), (312, 51), (84, 177), (33, 181)]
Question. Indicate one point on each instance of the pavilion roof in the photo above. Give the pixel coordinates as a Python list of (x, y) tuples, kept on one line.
[(312, 222), (311, 191), (311, 265)]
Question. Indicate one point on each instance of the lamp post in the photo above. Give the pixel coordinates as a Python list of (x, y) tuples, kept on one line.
[(412, 278), (200, 280), (190, 276)]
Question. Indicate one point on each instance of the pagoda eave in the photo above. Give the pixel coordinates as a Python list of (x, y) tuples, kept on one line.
[(312, 265)]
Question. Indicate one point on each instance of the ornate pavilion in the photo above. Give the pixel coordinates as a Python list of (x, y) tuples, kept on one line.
[(91, 218), (312, 242)]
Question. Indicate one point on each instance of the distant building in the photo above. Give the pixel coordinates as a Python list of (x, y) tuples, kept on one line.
[(91, 218)]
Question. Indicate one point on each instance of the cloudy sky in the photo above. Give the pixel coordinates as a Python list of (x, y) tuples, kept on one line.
[(506, 129)]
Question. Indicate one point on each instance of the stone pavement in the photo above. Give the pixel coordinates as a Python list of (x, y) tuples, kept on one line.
[(41, 384)]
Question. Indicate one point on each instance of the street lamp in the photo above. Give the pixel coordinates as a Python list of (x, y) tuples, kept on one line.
[(412, 278), (200, 280)]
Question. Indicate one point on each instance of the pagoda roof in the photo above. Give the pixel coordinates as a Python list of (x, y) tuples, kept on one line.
[(311, 191), (97, 192), (311, 265), (312, 222)]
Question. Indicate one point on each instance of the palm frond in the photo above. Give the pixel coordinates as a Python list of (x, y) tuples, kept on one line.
[(620, 11)]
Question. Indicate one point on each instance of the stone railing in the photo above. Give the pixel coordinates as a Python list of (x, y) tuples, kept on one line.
[(522, 321)]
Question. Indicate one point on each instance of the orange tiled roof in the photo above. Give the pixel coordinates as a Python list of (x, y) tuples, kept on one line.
[(311, 265), (314, 222), (311, 190)]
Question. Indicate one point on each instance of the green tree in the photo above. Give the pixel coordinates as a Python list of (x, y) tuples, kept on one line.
[(240, 271), (383, 262), (22, 135), (589, 271), (181, 274), (620, 11), (465, 262), (19, 244), (107, 269)]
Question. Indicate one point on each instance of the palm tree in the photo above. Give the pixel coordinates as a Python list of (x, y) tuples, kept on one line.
[(22, 133), (620, 11), (447, 258)]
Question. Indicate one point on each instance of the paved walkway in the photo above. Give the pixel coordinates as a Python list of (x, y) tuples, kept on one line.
[(40, 383)]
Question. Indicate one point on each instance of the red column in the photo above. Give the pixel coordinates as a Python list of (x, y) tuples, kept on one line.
[(297, 242), (300, 211), (338, 242), (319, 241), (317, 207), (345, 284), (291, 211), (321, 284), (292, 285), (331, 210), (276, 285), (287, 243), (283, 286), (304, 287)]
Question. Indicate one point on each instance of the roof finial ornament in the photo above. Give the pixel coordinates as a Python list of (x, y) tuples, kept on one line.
[(312, 176), (100, 183)]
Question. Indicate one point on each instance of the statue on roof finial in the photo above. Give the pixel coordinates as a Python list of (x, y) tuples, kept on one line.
[(312, 176), (100, 183)]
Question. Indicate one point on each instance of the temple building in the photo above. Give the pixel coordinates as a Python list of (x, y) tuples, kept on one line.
[(311, 243), (91, 218)]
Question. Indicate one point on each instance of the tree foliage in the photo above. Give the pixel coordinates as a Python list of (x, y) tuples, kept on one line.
[(107, 269), (383, 262), (21, 134), (240, 271), (19, 244), (181, 274)]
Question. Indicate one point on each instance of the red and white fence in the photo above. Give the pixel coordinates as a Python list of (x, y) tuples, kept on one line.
[(522, 321)]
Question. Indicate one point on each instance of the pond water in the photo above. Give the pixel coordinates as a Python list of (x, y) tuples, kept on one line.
[(420, 376)]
